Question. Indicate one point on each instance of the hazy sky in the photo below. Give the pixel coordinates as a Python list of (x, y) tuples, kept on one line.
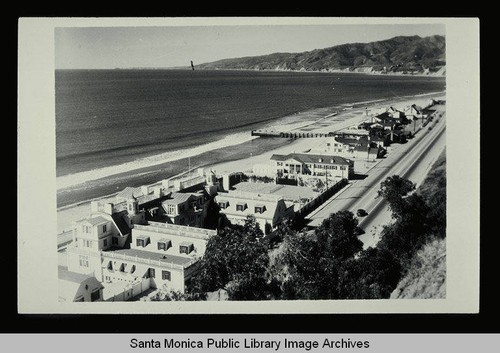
[(169, 46)]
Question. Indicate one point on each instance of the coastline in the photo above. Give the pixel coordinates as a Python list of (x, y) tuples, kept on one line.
[(365, 71), (239, 157)]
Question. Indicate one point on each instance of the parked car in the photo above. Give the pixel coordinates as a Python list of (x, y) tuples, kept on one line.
[(361, 213)]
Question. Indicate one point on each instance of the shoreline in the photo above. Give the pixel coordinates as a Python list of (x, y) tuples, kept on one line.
[(329, 71), (233, 159)]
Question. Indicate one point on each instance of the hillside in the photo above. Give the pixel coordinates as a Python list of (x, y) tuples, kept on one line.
[(410, 55), (426, 278)]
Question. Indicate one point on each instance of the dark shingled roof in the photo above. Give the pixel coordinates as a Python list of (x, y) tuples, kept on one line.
[(120, 223)]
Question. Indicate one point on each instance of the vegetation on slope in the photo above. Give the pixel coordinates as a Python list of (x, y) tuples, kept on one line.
[(403, 54)]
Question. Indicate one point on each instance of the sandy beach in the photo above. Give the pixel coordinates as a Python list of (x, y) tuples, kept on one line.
[(320, 121)]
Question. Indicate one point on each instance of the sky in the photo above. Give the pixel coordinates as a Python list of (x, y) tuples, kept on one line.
[(100, 47)]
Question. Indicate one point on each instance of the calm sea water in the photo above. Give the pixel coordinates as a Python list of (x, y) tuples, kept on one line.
[(110, 117)]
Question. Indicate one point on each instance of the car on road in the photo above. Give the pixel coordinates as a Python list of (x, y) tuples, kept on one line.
[(361, 213)]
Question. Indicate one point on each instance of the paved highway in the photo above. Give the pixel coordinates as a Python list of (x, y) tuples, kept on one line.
[(411, 160)]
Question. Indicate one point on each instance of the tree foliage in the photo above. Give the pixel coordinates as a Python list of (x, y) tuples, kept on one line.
[(372, 275), (393, 189), (337, 235), (236, 260), (414, 221)]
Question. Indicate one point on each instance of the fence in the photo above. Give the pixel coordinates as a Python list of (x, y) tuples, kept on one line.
[(316, 202)]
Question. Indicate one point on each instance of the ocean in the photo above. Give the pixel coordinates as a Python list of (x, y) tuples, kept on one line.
[(114, 126)]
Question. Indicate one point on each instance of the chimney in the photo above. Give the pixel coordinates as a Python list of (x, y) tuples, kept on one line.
[(226, 182), (94, 206), (145, 189), (158, 192), (109, 208)]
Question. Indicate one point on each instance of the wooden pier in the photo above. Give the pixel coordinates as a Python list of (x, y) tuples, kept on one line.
[(290, 134)]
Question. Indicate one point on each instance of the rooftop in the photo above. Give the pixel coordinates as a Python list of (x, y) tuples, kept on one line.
[(289, 192), (65, 275), (95, 220), (142, 255), (312, 158), (130, 192), (174, 229), (178, 197)]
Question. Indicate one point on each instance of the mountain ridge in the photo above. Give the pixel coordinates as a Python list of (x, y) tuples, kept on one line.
[(398, 55)]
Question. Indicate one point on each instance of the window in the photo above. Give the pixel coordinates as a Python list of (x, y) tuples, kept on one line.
[(114, 241), (279, 163), (152, 272), (165, 275), (142, 241), (95, 295), (105, 242), (223, 204), (241, 207), (185, 248), (164, 245), (84, 261), (171, 209), (260, 209), (87, 243), (104, 227)]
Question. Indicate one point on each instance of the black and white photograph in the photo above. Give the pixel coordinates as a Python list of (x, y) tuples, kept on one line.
[(256, 165)]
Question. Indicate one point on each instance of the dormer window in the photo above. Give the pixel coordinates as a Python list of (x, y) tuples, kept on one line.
[(260, 209), (321, 160), (142, 241), (223, 204), (164, 244), (186, 248), (241, 206)]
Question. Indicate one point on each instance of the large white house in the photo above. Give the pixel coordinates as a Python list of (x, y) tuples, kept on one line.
[(269, 210), (295, 165), (129, 258)]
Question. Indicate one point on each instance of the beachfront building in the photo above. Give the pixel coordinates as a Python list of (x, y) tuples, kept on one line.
[(185, 208), (159, 255), (298, 196), (77, 287), (414, 112), (269, 209), (306, 165)]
